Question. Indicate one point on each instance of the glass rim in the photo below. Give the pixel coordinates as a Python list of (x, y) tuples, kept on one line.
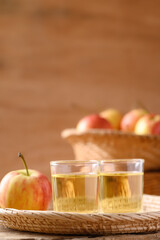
[(127, 160), (61, 162)]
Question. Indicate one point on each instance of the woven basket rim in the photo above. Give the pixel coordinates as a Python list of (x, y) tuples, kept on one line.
[(100, 144), (70, 132)]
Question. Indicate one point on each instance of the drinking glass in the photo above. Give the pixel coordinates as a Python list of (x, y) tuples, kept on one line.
[(75, 185), (121, 185)]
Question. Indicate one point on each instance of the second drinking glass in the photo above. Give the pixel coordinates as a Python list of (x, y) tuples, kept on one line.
[(121, 185)]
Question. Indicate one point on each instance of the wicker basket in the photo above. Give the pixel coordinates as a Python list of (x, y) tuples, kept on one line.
[(85, 224), (111, 144)]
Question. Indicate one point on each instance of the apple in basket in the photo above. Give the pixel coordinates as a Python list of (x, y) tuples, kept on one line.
[(130, 119), (149, 124), (25, 189), (93, 121), (113, 116)]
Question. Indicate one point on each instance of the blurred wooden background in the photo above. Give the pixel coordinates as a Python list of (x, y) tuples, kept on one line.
[(61, 60)]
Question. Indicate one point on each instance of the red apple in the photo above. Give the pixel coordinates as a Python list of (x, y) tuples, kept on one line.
[(25, 189), (149, 124), (130, 119), (93, 121), (113, 116)]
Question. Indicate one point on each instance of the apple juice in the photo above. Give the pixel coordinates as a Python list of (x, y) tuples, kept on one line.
[(121, 192), (75, 193)]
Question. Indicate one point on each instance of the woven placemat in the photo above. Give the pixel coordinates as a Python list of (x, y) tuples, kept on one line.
[(85, 224)]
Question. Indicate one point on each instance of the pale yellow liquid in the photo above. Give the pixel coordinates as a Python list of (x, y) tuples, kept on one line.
[(75, 193), (121, 192)]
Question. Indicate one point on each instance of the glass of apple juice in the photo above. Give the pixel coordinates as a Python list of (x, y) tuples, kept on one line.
[(75, 186), (121, 185)]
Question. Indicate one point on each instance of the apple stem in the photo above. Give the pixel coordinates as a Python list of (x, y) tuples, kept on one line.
[(25, 164), (140, 104)]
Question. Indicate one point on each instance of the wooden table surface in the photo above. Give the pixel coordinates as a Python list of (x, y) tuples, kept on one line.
[(9, 234)]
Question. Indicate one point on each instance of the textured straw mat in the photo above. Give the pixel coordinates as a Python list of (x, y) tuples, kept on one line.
[(85, 224), (101, 144)]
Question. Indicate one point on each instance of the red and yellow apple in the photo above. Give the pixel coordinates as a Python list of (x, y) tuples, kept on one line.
[(93, 121), (130, 119), (149, 124), (113, 116), (25, 189)]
